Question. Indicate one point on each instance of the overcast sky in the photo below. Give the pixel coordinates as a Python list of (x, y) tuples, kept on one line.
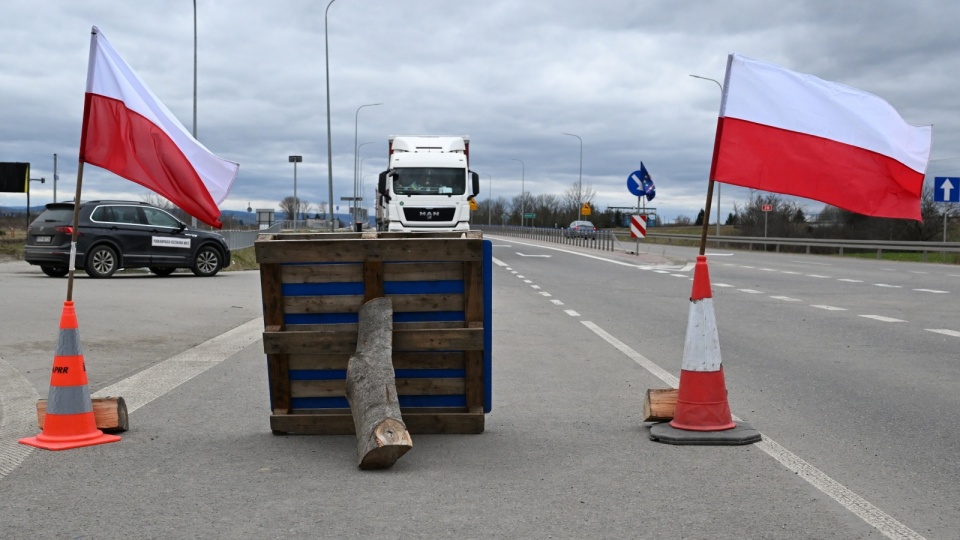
[(513, 75)]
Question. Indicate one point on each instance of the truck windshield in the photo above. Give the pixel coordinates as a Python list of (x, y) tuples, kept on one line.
[(429, 181)]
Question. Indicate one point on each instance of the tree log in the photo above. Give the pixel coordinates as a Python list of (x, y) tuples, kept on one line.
[(659, 404), (110, 414), (382, 437)]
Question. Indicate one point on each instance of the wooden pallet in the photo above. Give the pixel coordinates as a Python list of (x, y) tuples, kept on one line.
[(313, 286)]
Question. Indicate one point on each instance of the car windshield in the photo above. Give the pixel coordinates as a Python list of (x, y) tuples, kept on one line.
[(56, 215), (429, 181)]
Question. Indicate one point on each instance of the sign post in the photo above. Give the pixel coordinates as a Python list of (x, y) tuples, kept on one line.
[(767, 208), (946, 189)]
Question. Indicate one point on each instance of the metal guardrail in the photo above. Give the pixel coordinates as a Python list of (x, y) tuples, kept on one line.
[(244, 238), (811, 244), (602, 240)]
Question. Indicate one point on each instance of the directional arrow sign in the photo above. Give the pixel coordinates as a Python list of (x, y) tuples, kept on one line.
[(946, 189)]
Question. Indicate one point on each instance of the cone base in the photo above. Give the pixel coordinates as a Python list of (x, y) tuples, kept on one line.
[(48, 442), (742, 434)]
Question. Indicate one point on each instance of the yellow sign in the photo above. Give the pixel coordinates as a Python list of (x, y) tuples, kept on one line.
[(586, 209), (473, 204)]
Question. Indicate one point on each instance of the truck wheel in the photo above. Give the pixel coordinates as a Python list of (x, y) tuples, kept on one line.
[(207, 262), (102, 262)]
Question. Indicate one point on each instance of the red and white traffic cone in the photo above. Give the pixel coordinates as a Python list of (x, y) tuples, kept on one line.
[(702, 414)]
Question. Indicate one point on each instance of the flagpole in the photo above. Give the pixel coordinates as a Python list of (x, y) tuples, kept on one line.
[(74, 233)]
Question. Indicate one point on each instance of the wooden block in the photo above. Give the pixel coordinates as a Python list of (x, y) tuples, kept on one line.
[(659, 404), (110, 414)]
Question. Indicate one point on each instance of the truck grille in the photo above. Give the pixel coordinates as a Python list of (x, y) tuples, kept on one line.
[(428, 214)]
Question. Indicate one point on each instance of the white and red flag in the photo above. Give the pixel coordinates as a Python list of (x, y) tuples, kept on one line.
[(129, 132), (796, 134)]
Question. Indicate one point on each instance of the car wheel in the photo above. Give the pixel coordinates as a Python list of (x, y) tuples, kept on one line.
[(55, 271), (102, 262), (161, 270), (207, 262)]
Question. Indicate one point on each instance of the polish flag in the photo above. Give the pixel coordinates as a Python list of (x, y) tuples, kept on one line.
[(129, 132), (796, 134)]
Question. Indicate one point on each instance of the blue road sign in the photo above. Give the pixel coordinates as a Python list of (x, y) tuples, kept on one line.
[(640, 184), (946, 189)]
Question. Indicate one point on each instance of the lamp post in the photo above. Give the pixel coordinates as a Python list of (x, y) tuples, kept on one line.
[(523, 168), (357, 192), (579, 182), (193, 220), (41, 180), (55, 178), (326, 52), (356, 155), (718, 183), (296, 201), (490, 202)]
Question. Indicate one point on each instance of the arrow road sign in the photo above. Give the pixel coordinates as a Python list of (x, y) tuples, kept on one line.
[(946, 189)]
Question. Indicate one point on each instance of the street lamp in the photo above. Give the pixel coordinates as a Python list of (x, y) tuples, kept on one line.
[(193, 220), (326, 52), (356, 155), (523, 168), (490, 202), (357, 192), (296, 201), (718, 183), (580, 182), (41, 180)]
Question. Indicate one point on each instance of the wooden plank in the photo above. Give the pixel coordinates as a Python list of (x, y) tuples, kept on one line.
[(473, 291), (372, 280), (109, 414), (473, 384), (401, 360), (405, 387), (444, 339), (423, 271), (322, 304), (346, 250), (659, 404), (425, 303), (422, 423), (322, 273), (352, 327), (272, 294), (279, 377)]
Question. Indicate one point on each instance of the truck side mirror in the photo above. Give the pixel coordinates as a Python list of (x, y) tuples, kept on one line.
[(476, 183), (382, 185)]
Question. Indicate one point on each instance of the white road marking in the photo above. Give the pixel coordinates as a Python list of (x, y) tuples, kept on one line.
[(953, 333), (571, 313), (881, 318), (535, 287), (888, 286), (873, 516), (527, 281), (722, 285), (498, 262), (750, 291), (818, 276), (18, 401), (786, 298), (848, 280), (790, 272), (545, 293), (519, 276), (525, 255), (935, 291), (557, 302), (829, 308), (768, 269)]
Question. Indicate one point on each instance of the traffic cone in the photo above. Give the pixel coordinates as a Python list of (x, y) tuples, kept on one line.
[(69, 422), (702, 414)]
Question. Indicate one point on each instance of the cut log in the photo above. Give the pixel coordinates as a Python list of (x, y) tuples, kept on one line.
[(110, 414), (382, 437), (659, 404)]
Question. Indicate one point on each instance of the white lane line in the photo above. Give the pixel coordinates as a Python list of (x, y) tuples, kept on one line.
[(953, 333), (881, 318), (934, 291), (521, 277), (527, 281), (155, 381), (873, 516), (786, 298), (535, 287), (749, 267), (848, 280), (722, 285), (662, 271), (768, 269), (790, 272), (679, 275), (750, 291), (571, 313), (557, 302), (888, 286), (18, 401), (818, 276), (545, 293), (498, 262), (829, 308), (686, 268)]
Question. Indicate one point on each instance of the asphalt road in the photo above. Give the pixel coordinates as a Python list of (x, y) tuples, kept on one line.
[(856, 412)]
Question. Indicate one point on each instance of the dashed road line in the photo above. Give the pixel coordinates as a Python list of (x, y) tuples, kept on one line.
[(786, 298), (934, 291), (887, 286), (881, 318), (750, 291), (945, 332), (828, 308), (571, 313)]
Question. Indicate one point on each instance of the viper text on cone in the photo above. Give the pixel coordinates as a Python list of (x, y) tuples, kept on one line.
[(70, 422), (702, 414)]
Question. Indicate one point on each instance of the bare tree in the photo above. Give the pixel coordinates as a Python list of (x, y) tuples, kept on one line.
[(574, 197), (295, 208)]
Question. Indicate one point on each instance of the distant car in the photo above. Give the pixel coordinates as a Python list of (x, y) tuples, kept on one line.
[(121, 234), (582, 229)]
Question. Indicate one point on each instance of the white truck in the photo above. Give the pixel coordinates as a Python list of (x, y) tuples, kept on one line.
[(428, 185)]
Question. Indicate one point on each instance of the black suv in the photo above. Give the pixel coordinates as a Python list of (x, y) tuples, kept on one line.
[(121, 234)]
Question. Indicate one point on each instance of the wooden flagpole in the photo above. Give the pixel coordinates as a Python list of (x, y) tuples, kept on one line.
[(74, 233)]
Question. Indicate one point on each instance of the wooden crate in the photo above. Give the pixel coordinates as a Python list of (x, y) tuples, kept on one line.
[(313, 286)]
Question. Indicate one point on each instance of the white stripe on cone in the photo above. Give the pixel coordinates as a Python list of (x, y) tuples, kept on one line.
[(701, 348)]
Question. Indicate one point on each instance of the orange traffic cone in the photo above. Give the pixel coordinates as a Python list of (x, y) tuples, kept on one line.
[(69, 422), (702, 414)]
